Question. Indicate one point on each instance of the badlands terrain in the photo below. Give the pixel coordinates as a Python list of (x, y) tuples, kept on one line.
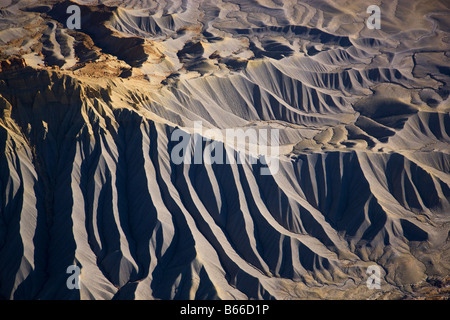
[(87, 178)]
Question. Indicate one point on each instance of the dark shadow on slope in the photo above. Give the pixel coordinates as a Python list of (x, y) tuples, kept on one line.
[(110, 258), (271, 49), (388, 112), (229, 217), (438, 124), (137, 213), (311, 51), (413, 232), (11, 245), (38, 9), (210, 37), (374, 129), (126, 292), (377, 219), (335, 185), (50, 58), (175, 265), (302, 32), (192, 57), (232, 63), (289, 216), (405, 179), (229, 213), (354, 133), (54, 244), (93, 18)]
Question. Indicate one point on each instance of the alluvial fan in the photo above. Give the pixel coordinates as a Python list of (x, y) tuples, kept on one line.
[(91, 176)]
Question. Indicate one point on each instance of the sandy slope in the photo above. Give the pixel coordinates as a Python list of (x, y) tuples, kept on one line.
[(87, 178)]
